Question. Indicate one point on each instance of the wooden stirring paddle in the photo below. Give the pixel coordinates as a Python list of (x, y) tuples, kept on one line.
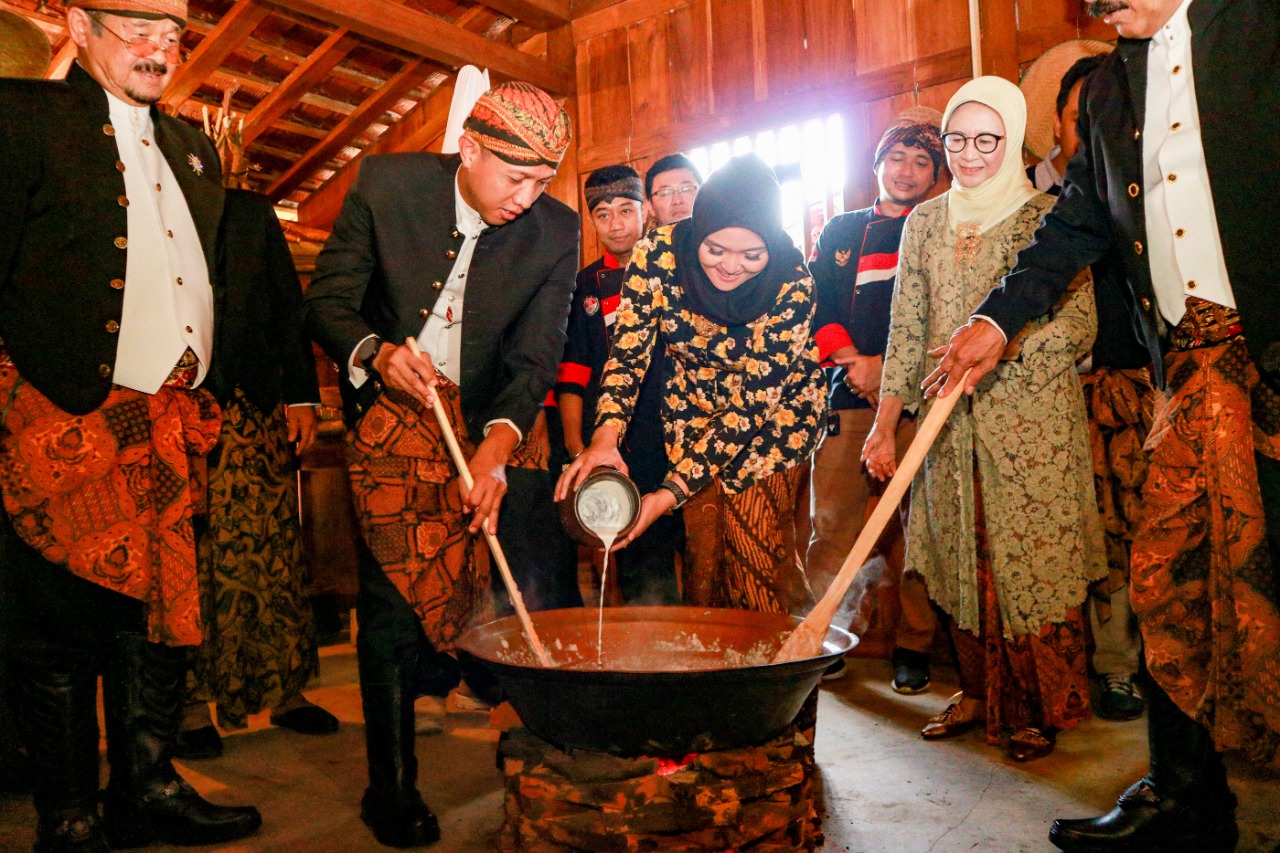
[(495, 548), (806, 640)]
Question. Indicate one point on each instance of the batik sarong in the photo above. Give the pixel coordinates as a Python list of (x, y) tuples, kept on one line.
[(1119, 403), (110, 494), (410, 509), (1031, 680), (1202, 583), (260, 642), (741, 550)]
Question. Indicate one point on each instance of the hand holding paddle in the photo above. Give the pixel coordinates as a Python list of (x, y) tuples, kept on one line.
[(495, 548), (806, 640)]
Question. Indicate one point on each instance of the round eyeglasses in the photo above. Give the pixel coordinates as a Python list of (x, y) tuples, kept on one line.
[(984, 143), (142, 47)]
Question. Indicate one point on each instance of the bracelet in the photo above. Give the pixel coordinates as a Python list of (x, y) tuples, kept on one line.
[(680, 494)]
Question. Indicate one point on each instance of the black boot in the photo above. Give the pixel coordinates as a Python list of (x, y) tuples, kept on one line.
[(1183, 804), (392, 806), (58, 690), (146, 800)]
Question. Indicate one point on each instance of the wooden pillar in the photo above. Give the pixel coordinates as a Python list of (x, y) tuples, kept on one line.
[(561, 51)]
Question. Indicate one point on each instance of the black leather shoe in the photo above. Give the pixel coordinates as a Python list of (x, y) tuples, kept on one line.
[(1144, 822), (307, 720), (399, 818), (175, 814), (198, 744), (76, 832)]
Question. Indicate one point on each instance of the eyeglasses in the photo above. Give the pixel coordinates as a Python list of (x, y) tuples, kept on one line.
[(687, 189), (985, 143), (142, 47)]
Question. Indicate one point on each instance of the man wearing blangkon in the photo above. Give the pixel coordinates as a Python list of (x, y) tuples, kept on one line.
[(466, 255), (1179, 134), (107, 241)]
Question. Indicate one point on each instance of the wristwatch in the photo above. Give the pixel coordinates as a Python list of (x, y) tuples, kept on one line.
[(673, 487), (368, 351)]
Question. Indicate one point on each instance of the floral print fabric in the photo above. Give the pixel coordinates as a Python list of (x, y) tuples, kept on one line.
[(1025, 425), (742, 402)]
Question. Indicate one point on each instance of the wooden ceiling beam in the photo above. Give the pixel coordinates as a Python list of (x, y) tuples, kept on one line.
[(542, 14), (60, 64), (404, 82), (428, 36), (214, 48), (292, 57), (316, 67)]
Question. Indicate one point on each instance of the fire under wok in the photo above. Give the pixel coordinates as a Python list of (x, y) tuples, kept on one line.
[(674, 680)]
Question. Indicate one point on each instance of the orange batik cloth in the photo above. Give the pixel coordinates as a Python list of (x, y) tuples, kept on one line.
[(409, 505), (1202, 582), (110, 494)]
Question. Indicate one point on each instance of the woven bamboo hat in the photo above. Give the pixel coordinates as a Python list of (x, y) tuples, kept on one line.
[(24, 49), (1040, 87)]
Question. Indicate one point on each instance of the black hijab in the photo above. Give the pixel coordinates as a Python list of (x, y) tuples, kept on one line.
[(744, 193)]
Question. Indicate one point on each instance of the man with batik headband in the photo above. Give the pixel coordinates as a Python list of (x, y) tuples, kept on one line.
[(466, 255), (646, 569), (1176, 174), (111, 216), (856, 259)]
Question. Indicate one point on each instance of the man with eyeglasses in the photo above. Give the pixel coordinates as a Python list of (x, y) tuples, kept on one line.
[(1175, 172), (671, 185), (106, 313)]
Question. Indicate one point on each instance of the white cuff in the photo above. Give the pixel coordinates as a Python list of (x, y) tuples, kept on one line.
[(355, 370), (297, 405), (489, 426), (993, 323)]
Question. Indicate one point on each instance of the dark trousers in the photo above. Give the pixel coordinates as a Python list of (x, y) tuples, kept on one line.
[(542, 557), (389, 633), (58, 632), (1184, 765), (647, 567)]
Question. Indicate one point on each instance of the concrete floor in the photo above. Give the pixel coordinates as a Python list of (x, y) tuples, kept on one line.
[(885, 788)]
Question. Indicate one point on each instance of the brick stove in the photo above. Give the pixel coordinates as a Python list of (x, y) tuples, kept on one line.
[(759, 798)]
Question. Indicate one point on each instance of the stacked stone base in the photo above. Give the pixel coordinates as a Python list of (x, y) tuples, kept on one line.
[(749, 799)]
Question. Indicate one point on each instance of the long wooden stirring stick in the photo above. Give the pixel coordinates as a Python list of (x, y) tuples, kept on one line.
[(495, 548), (806, 640)]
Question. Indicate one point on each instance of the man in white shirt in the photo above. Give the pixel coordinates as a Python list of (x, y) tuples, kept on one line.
[(106, 311), (469, 257), (1179, 134)]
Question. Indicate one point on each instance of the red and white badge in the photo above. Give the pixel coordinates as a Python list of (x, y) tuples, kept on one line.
[(591, 305)]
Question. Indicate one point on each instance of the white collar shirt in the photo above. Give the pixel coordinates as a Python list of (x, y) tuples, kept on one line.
[(1046, 174), (168, 300), (441, 335), (1183, 245)]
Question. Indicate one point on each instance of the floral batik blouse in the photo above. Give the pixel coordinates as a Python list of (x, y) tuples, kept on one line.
[(742, 402)]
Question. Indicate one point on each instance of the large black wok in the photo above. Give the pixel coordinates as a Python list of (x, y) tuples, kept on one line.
[(665, 688)]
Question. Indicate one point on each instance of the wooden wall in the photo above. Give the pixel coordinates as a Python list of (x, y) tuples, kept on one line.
[(657, 76)]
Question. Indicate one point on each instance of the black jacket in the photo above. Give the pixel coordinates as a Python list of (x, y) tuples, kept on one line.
[(387, 250), (64, 230), (1236, 61), (848, 312), (258, 343)]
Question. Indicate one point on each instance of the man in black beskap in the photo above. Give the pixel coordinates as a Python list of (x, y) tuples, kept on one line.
[(469, 257), (853, 273), (1179, 135)]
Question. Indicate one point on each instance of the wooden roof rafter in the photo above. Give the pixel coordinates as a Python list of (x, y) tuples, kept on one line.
[(425, 35), (405, 81), (316, 67), (540, 14), (214, 49)]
